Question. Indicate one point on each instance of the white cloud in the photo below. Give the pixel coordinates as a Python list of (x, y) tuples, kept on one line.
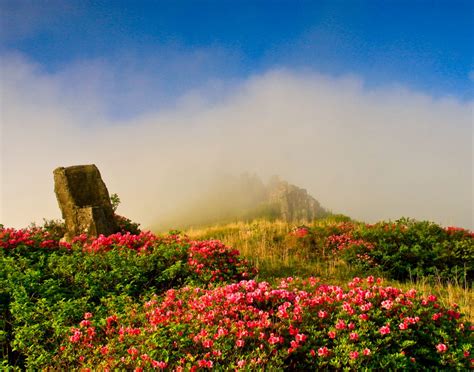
[(372, 154)]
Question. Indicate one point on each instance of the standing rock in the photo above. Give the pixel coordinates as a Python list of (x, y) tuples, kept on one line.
[(84, 201)]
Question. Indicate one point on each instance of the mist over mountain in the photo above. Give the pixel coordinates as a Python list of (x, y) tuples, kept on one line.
[(245, 197)]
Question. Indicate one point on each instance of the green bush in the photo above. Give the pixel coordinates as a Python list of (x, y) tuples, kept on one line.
[(408, 249)]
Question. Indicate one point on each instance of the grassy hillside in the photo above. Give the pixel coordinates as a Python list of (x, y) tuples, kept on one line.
[(277, 253), (330, 294)]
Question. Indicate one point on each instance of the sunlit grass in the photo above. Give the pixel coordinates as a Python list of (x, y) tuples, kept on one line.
[(263, 243)]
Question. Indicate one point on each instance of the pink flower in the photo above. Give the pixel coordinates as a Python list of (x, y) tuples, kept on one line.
[(158, 364), (300, 337), (221, 332), (88, 315), (385, 330), (76, 336), (441, 348), (354, 336), (323, 351), (387, 304), (240, 343), (241, 363), (85, 323), (367, 352), (272, 340), (111, 319), (353, 354), (340, 324), (205, 363), (436, 316), (403, 326), (322, 314)]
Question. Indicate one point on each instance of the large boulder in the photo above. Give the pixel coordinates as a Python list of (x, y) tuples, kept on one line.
[(84, 201)]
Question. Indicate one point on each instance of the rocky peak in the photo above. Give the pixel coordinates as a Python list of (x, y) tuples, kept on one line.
[(293, 202)]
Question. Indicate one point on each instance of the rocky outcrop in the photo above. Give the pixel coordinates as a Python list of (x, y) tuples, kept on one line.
[(293, 203), (84, 201)]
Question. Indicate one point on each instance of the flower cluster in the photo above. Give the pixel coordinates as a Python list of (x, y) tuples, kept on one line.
[(208, 261), (211, 259), (452, 230), (300, 232), (34, 237), (142, 242), (345, 241), (301, 324)]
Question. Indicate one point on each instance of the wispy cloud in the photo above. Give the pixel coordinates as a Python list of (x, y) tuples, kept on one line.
[(372, 154)]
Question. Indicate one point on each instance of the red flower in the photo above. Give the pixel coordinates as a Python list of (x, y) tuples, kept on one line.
[(441, 348), (301, 337), (323, 351), (354, 336), (354, 354), (385, 330), (340, 324)]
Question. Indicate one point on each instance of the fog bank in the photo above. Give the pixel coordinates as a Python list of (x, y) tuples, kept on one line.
[(369, 153)]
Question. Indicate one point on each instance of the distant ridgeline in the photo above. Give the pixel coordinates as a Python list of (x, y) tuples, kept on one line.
[(245, 198)]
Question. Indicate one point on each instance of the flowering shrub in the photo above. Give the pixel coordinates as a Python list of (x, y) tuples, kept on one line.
[(142, 242), (406, 249), (32, 238), (302, 242), (211, 261), (409, 248), (299, 325), (46, 285)]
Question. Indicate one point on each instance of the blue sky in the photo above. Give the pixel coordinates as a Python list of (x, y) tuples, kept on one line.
[(423, 45)]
